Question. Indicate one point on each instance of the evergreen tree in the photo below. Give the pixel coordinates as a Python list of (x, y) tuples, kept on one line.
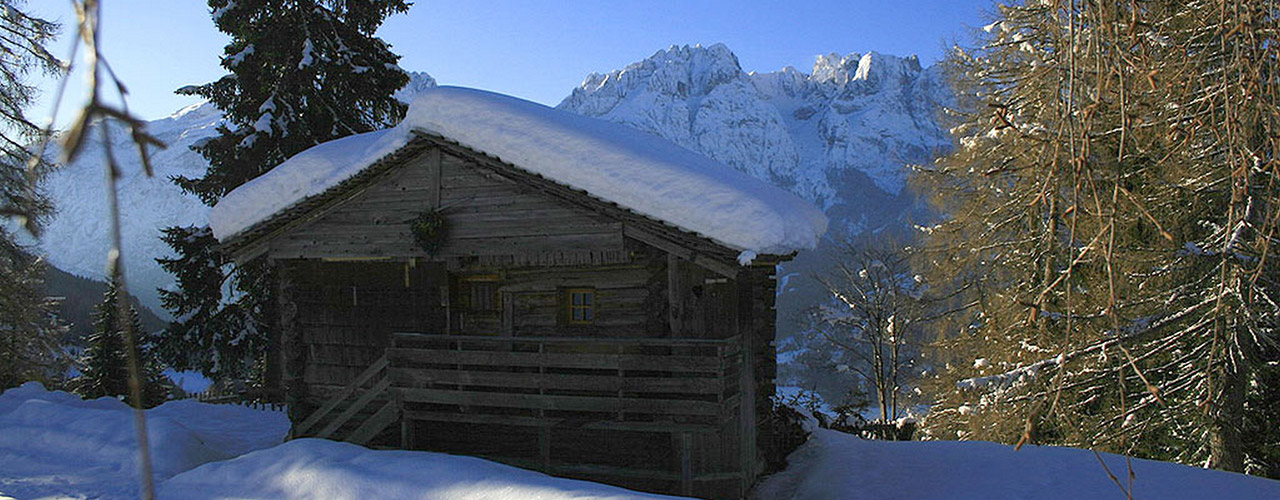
[(1113, 205), (105, 365), (29, 338), (302, 72)]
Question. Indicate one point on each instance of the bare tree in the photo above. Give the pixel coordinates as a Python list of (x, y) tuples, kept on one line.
[(870, 320), (100, 80)]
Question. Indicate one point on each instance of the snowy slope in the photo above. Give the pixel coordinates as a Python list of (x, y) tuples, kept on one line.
[(838, 136), (836, 466), (54, 445), (619, 164), (76, 240)]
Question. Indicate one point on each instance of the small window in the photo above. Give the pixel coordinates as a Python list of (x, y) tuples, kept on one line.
[(483, 296), (582, 306), (480, 293)]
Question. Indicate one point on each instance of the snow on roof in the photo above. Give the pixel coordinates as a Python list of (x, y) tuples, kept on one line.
[(641, 172)]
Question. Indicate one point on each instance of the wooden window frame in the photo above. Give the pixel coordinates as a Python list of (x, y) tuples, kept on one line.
[(483, 297), (586, 306)]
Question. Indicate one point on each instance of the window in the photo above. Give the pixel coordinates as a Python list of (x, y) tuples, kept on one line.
[(582, 306), (483, 296)]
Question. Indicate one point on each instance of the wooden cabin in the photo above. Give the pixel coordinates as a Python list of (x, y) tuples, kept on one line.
[(543, 326)]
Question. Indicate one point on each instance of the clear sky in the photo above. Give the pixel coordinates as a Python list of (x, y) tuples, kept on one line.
[(537, 50)]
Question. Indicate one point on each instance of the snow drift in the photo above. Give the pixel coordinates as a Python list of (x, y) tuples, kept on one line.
[(317, 468), (53, 443)]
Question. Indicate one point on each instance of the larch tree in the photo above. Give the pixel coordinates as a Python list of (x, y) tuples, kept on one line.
[(1112, 205), (30, 341), (302, 72)]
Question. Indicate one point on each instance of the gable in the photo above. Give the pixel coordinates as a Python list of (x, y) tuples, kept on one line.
[(486, 215)]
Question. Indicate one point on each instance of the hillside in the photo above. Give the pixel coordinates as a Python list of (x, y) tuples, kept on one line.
[(77, 298)]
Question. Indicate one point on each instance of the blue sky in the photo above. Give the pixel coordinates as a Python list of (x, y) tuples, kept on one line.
[(536, 50)]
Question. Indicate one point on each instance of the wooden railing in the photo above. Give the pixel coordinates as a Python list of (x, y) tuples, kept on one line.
[(679, 387), (684, 388), (605, 383)]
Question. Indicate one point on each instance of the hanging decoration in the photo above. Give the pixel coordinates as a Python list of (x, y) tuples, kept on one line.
[(429, 230)]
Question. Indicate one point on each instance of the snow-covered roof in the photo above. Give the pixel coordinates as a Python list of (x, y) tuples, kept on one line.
[(638, 171)]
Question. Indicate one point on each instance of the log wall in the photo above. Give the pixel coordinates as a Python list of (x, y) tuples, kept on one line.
[(352, 277), (486, 215)]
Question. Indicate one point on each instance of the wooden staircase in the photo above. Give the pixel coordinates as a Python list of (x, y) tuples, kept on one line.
[(386, 415)]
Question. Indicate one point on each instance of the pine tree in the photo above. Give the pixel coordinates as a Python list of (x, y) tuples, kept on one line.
[(104, 369), (1113, 204), (302, 72), (105, 365), (29, 338)]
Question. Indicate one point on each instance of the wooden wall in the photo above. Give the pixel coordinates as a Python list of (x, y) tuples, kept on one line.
[(528, 248), (347, 312), (486, 216)]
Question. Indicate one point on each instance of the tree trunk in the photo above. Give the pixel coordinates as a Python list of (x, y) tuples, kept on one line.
[(1226, 445)]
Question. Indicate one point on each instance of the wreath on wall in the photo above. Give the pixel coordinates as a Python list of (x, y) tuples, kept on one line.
[(429, 230)]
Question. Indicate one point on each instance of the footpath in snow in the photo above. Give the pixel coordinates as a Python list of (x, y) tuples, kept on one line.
[(53, 445)]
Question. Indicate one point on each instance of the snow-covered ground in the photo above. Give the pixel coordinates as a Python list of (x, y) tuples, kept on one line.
[(318, 468), (837, 466), (55, 446)]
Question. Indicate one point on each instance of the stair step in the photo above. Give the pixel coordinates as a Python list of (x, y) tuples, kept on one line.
[(365, 398), (385, 416)]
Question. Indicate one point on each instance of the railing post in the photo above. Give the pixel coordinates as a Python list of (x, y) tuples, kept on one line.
[(544, 447), (686, 464), (406, 425)]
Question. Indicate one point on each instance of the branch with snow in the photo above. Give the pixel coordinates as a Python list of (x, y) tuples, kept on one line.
[(1136, 328)]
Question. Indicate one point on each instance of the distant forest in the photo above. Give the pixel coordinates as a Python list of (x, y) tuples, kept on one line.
[(76, 298)]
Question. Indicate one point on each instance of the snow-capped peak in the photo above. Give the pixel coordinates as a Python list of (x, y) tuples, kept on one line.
[(816, 134), (418, 82)]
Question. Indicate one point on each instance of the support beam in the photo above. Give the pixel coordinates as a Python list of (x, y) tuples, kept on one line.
[(292, 357), (675, 296), (406, 431), (686, 464), (544, 448), (433, 166), (721, 268)]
